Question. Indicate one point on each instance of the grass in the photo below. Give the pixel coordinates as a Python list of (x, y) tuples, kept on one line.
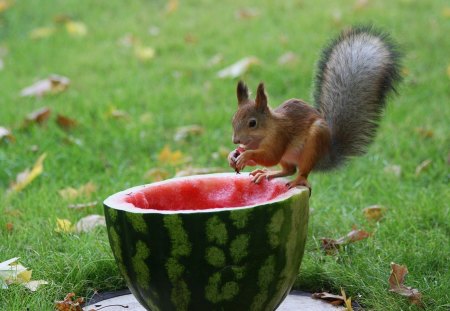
[(178, 88)]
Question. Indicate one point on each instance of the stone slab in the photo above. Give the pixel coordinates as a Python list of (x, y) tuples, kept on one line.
[(295, 301)]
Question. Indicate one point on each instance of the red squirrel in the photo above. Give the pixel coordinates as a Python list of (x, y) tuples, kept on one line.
[(356, 72)]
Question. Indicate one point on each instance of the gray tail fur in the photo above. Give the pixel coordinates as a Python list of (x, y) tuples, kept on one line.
[(355, 74)]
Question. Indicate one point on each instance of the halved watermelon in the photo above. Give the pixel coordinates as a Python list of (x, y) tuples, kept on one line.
[(209, 242)]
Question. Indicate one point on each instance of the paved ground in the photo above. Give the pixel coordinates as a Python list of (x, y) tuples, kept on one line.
[(296, 301)]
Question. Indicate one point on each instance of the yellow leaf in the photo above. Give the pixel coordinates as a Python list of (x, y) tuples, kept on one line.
[(76, 29), (446, 12), (42, 32), (156, 174), (24, 276), (27, 176), (347, 301), (172, 6), (448, 71), (168, 156), (63, 226), (144, 53)]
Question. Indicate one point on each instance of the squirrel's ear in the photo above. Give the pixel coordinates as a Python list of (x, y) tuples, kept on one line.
[(242, 92), (261, 97)]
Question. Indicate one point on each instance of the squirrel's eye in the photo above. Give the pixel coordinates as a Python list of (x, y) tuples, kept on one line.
[(252, 123)]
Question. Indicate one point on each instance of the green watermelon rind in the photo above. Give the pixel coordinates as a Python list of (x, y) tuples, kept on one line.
[(218, 259)]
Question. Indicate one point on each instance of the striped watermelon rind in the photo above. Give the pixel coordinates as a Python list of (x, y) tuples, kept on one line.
[(241, 258)]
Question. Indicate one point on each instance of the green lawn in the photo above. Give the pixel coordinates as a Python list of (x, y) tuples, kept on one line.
[(178, 87)]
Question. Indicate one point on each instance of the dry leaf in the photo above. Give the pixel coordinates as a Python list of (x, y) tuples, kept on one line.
[(66, 123), (70, 303), (239, 68), (76, 29), (53, 84), (170, 157), (424, 132), (154, 31), (448, 71), (156, 174), (2, 64), (375, 212), (214, 60), (247, 13), (185, 132), (83, 205), (39, 116), (288, 58), (361, 4), (190, 38), (9, 227), (396, 280), (331, 246), (27, 176), (395, 170), (172, 6), (115, 113), (88, 223), (347, 301), (42, 32), (12, 272), (63, 226), (71, 193), (199, 171), (4, 5), (336, 17), (6, 134), (335, 300), (446, 12), (34, 285), (144, 53), (423, 166)]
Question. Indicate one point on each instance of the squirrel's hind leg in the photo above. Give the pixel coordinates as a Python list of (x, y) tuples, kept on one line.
[(287, 170)]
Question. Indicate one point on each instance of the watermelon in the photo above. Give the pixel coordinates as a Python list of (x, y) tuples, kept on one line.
[(209, 242)]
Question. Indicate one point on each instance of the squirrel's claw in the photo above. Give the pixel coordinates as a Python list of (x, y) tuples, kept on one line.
[(299, 181)]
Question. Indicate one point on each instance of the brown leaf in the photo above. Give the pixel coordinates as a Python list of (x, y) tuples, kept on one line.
[(247, 13), (71, 193), (425, 132), (66, 123), (423, 166), (9, 227), (53, 84), (188, 131), (335, 300), (374, 213), (6, 134), (396, 280), (331, 246), (70, 303), (39, 116)]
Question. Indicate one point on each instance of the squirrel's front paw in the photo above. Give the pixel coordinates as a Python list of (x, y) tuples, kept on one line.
[(242, 160), (299, 181)]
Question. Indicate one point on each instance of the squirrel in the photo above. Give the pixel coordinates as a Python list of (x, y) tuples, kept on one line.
[(355, 74)]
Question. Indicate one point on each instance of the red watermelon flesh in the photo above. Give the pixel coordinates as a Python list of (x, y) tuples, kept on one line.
[(209, 192)]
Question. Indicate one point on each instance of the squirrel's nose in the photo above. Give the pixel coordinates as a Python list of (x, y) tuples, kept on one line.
[(236, 140)]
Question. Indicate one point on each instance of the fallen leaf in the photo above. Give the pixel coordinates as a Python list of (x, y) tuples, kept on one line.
[(156, 174), (115, 113), (396, 280), (62, 18), (185, 132), (63, 226), (12, 272), (331, 246), (361, 4), (170, 157), (4, 5), (172, 6), (154, 31), (247, 13), (39, 116), (423, 166), (190, 38), (24, 178), (42, 32), (288, 58), (446, 12), (239, 68), (9, 227), (200, 171), (76, 29), (6, 134), (424, 132), (214, 60), (66, 123), (336, 17), (375, 212), (71, 193), (395, 170), (2, 64), (347, 301), (70, 303), (128, 40), (144, 53), (335, 300), (71, 140), (83, 205), (53, 84), (88, 223)]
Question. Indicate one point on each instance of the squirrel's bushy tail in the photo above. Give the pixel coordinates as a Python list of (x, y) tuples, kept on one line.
[(355, 74)]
